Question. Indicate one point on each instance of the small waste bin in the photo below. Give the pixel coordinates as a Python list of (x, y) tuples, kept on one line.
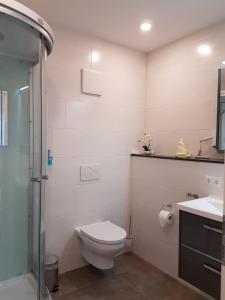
[(52, 273)]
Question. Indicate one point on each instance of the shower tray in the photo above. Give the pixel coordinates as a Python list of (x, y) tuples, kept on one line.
[(20, 288)]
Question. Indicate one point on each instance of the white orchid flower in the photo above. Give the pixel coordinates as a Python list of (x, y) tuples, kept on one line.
[(146, 141)]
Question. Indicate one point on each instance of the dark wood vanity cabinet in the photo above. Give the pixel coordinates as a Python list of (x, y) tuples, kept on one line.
[(200, 252)]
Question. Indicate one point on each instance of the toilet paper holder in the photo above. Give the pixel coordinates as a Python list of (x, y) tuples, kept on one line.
[(166, 215), (167, 206)]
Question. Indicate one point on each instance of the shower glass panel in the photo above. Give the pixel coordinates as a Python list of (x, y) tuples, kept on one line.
[(22, 160), (14, 171)]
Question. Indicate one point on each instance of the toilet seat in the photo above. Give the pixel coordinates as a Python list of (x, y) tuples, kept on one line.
[(104, 233)]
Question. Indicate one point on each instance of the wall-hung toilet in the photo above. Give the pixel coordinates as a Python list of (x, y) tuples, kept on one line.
[(100, 242)]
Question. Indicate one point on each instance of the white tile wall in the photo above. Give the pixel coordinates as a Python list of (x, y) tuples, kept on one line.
[(181, 102), (182, 91), (155, 182), (84, 129)]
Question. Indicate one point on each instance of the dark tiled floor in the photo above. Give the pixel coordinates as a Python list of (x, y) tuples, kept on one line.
[(131, 279)]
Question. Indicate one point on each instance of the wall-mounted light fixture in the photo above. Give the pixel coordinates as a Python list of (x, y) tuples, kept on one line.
[(24, 88), (94, 57)]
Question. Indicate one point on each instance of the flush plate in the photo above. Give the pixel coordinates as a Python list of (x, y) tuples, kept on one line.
[(89, 172)]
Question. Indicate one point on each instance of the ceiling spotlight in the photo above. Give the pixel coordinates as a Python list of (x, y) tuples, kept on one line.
[(204, 49), (146, 26)]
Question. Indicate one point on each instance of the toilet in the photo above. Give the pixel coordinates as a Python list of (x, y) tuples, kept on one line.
[(100, 242)]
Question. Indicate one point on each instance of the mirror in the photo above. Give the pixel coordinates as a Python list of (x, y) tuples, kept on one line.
[(220, 134), (3, 118)]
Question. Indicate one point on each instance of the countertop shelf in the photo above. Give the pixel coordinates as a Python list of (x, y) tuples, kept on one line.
[(207, 207), (193, 159)]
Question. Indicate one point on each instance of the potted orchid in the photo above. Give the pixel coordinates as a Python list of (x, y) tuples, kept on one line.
[(146, 143)]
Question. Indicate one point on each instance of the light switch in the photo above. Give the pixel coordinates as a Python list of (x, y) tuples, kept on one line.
[(89, 172)]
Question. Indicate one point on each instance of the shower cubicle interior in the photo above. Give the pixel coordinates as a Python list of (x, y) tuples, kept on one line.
[(22, 159)]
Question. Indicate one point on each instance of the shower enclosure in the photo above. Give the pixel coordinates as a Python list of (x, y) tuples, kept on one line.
[(25, 42)]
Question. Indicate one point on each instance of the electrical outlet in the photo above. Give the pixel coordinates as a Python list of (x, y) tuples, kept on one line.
[(208, 180), (217, 181), (212, 180)]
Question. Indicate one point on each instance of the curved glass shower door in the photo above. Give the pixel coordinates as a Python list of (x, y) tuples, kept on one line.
[(22, 161), (14, 171)]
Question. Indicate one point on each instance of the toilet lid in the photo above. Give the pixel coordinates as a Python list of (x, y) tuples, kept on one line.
[(104, 233)]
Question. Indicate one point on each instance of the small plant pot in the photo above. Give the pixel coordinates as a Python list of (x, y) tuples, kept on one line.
[(148, 152)]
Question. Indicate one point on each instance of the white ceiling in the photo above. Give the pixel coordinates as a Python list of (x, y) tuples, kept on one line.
[(119, 20)]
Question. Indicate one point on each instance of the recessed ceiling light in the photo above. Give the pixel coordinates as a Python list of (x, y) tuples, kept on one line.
[(146, 26), (204, 49)]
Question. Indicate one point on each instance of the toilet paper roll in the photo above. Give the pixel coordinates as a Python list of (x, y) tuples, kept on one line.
[(165, 218)]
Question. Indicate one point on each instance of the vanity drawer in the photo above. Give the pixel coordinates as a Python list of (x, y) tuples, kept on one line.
[(202, 234), (200, 271)]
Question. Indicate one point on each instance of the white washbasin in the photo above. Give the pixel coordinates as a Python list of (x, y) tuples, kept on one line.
[(208, 207), (218, 204)]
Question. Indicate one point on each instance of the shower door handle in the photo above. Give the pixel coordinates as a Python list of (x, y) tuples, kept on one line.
[(36, 179)]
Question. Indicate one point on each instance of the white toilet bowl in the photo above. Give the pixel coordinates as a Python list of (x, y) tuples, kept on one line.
[(100, 242)]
